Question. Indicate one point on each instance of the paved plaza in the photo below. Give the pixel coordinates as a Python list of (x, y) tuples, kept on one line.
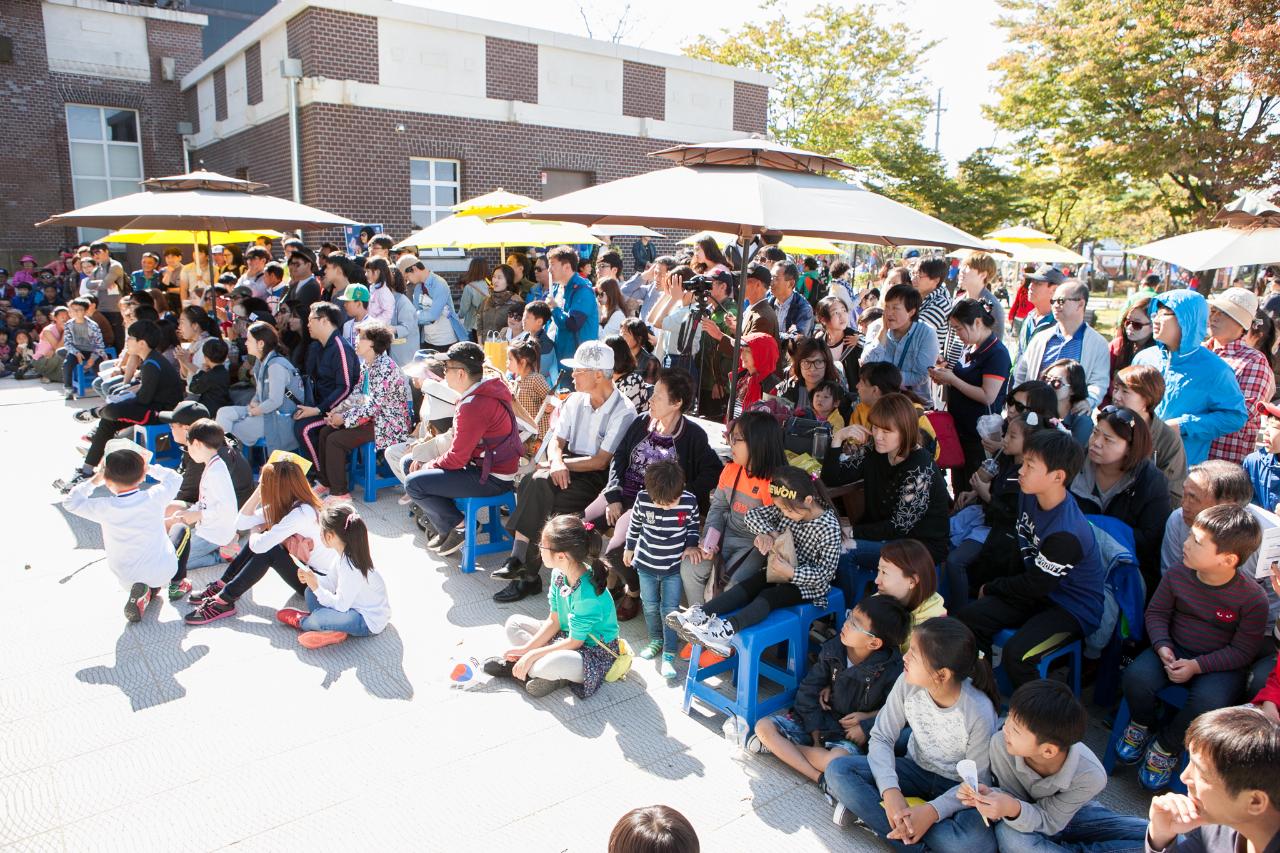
[(159, 737)]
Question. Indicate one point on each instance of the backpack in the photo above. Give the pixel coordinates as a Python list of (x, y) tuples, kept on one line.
[(500, 450)]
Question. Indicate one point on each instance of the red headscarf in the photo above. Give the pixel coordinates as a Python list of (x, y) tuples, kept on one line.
[(764, 352)]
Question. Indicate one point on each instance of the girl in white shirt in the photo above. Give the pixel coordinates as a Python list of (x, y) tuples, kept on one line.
[(345, 596), (284, 514)]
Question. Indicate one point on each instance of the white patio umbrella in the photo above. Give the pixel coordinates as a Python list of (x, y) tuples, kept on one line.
[(607, 231), (751, 187), (1250, 236), (1027, 245), (463, 231)]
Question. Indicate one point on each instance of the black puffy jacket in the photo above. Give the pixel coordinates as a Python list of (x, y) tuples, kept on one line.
[(862, 687)]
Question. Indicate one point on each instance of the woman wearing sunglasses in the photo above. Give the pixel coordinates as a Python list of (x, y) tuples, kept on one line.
[(1067, 379), (1120, 480), (1133, 334)]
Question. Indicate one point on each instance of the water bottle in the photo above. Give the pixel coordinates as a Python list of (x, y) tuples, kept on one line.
[(735, 732), (821, 444)]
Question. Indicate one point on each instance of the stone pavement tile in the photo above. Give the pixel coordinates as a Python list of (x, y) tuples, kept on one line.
[(29, 805), (53, 841)]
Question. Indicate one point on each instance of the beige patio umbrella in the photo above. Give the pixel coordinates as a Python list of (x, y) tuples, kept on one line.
[(462, 231), (751, 188), (1027, 245), (1251, 235), (790, 245)]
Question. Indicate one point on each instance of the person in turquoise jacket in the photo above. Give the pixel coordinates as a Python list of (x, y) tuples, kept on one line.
[(575, 314), (1202, 398)]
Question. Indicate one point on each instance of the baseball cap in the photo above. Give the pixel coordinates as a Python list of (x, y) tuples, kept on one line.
[(186, 413), (1270, 409), (1047, 273), (408, 262), (591, 355), (760, 273), (467, 354), (354, 293), (216, 249), (1237, 303), (241, 291)]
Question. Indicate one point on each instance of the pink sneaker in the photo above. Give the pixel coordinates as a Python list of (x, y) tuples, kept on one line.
[(292, 617), (320, 639), (139, 596), (229, 552)]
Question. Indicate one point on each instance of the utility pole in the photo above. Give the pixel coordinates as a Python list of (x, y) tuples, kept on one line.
[(937, 124)]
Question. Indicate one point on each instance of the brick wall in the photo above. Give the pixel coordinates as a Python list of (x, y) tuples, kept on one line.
[(220, 94), (253, 73), (333, 44), (750, 107), (511, 70), (35, 165), (263, 151), (644, 90)]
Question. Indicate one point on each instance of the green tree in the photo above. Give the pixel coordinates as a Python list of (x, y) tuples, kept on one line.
[(984, 195), (1138, 97)]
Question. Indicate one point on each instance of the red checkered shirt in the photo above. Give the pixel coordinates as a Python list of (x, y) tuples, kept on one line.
[(1257, 383)]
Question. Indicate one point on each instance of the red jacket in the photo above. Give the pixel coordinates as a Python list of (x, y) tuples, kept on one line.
[(485, 413), (1270, 691)]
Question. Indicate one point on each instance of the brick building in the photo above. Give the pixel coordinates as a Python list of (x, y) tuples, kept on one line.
[(403, 110), (90, 102)]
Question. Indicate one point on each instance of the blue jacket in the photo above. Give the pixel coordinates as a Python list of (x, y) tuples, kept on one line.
[(441, 301), (1263, 468), (799, 315), (577, 319), (1201, 394)]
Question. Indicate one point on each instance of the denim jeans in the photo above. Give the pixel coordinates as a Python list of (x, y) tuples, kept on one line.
[(1094, 829), (850, 780), (660, 594), (327, 619), (434, 489), (1205, 692), (203, 553)]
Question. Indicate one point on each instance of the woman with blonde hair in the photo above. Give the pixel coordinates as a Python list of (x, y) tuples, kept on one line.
[(978, 274)]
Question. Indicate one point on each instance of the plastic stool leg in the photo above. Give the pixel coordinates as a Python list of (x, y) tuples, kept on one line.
[(469, 537)]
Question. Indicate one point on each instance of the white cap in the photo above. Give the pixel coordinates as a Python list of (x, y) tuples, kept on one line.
[(591, 355)]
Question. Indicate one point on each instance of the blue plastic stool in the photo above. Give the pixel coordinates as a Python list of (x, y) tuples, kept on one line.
[(499, 538), (362, 468), (148, 435), (1073, 650), (807, 614), (1175, 695), (81, 379), (747, 668), (247, 450)]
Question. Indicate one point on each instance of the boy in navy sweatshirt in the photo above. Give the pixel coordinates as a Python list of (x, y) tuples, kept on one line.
[(1206, 623), (1059, 592)]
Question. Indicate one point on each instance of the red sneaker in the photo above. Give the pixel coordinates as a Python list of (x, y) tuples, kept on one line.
[(320, 639), (709, 658), (292, 617), (139, 596)]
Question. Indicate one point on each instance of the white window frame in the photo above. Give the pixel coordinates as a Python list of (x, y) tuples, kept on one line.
[(89, 234), (433, 213)]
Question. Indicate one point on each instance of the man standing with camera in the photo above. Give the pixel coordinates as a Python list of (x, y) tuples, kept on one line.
[(714, 365)]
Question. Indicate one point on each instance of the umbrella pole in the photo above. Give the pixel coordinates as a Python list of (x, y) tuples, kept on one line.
[(737, 331)]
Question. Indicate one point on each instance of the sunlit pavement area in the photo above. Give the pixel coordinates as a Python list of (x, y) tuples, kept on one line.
[(156, 736)]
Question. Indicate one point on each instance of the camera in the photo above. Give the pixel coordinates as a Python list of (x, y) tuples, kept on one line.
[(699, 285)]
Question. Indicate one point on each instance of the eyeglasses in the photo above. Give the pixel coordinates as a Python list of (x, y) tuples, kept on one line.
[(814, 362), (849, 623), (737, 439), (1020, 408), (1059, 301)]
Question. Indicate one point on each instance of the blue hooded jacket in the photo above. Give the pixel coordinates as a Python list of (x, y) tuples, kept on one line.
[(1201, 394)]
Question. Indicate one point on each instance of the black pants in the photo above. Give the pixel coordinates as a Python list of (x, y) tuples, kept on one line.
[(538, 498), (754, 599), (112, 418), (248, 568), (1034, 622)]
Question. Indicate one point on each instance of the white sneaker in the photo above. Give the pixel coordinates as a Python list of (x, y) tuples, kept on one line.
[(685, 622), (754, 744), (716, 635), (837, 815)]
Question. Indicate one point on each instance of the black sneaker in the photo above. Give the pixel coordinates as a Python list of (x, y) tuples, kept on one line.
[(451, 543), (539, 687), (499, 667), (210, 591), (517, 590), (512, 569), (86, 416), (66, 485)]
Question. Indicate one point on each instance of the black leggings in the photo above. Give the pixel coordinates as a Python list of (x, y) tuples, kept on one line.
[(1033, 621), (754, 599), (248, 568)]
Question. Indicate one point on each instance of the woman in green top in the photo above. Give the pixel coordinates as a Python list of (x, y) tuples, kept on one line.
[(577, 643)]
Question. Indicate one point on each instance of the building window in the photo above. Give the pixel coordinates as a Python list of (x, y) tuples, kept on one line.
[(433, 191), (106, 156)]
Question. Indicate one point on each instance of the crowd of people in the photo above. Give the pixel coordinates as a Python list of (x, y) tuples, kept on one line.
[(991, 466)]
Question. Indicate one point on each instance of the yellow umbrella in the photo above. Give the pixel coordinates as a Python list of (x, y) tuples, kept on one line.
[(150, 238), (473, 232), (492, 204), (1032, 246), (790, 245)]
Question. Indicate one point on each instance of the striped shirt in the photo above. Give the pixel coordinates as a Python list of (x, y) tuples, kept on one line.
[(1223, 626), (934, 310), (1057, 348), (657, 536)]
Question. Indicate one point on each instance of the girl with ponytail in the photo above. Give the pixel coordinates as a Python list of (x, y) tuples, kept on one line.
[(578, 641), (946, 695)]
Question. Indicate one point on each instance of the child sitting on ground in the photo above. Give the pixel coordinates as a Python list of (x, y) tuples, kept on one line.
[(1206, 623), (211, 522), (1045, 780), (345, 597), (210, 386), (801, 512), (907, 575), (1057, 597), (132, 521), (947, 697), (840, 695), (663, 528)]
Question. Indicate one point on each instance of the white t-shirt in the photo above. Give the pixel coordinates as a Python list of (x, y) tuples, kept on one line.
[(218, 506), (587, 430), (343, 588), (138, 549)]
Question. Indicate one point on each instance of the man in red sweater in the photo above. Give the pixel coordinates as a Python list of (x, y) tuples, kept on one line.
[(483, 456), (1206, 623)]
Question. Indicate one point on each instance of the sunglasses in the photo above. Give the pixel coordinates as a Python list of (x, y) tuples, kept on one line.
[(1136, 324), (1123, 415), (1056, 383), (1059, 301), (1020, 408)]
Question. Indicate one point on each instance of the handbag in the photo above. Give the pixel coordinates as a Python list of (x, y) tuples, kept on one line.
[(950, 453), (780, 565), (622, 660)]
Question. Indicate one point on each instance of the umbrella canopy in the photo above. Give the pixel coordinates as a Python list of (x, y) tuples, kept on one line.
[(1215, 248), (790, 245), (472, 232), (1249, 210), (199, 201), (1018, 234), (491, 204), (746, 200), (754, 150), (170, 237), (624, 231), (1028, 245)]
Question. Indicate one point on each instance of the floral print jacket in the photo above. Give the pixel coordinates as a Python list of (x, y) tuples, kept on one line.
[(383, 397)]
